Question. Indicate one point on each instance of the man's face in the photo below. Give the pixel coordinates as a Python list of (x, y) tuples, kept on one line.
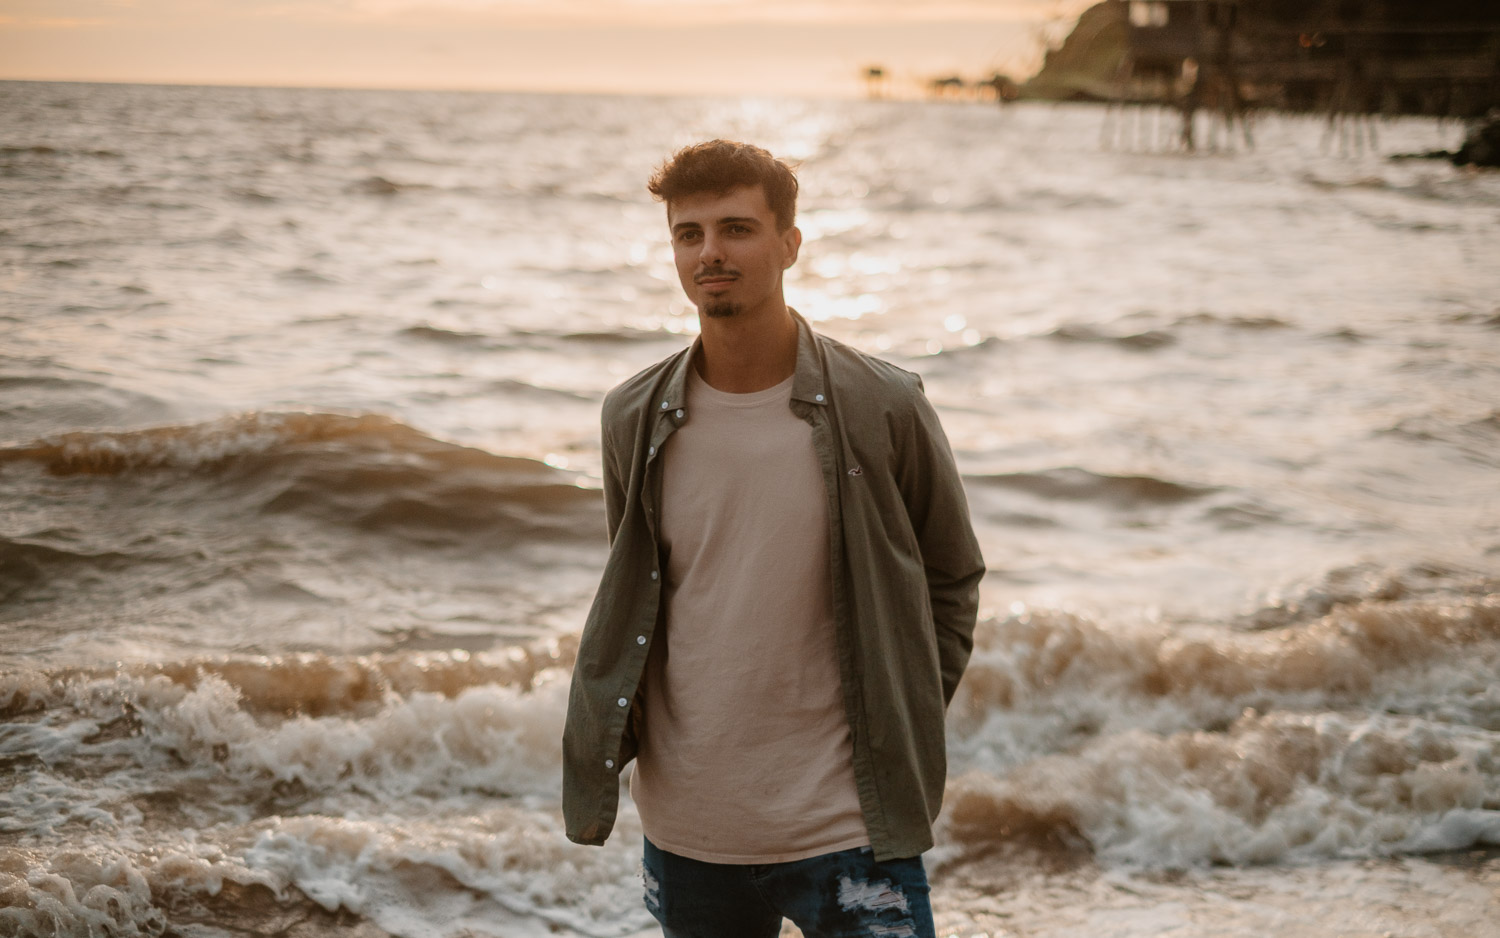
[(730, 256)]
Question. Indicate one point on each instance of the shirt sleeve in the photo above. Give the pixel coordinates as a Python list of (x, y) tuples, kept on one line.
[(614, 480), (933, 493)]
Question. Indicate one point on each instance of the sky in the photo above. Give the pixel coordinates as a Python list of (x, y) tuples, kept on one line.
[(811, 47)]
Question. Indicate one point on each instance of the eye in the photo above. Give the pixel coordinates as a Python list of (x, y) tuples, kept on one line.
[(739, 229), (689, 234)]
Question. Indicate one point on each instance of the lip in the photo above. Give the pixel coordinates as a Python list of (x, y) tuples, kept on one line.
[(712, 282)]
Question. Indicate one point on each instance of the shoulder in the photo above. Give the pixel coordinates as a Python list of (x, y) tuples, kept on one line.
[(852, 373), (635, 394)]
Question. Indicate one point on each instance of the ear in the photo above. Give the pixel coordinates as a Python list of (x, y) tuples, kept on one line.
[(791, 244)]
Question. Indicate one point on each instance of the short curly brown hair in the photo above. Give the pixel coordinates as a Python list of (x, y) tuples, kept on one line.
[(721, 165)]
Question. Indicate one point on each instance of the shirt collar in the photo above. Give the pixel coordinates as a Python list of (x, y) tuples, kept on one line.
[(807, 384)]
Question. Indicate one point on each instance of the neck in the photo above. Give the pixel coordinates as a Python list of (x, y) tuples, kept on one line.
[(742, 354)]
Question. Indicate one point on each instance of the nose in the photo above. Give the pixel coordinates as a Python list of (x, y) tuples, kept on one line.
[(712, 254)]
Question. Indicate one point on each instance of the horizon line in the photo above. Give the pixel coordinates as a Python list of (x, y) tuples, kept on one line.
[(822, 94)]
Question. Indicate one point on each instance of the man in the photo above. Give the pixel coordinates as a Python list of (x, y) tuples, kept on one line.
[(788, 603)]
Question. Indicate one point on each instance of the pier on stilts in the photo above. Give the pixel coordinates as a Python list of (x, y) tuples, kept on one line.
[(1210, 65)]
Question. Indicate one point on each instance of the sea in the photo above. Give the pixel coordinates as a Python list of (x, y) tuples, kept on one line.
[(300, 506)]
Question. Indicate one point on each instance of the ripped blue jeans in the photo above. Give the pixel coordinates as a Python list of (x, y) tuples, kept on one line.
[(846, 894)]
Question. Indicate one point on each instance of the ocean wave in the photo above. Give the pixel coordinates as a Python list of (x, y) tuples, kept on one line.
[(33, 403), (1447, 187), (7, 152), (621, 334), (198, 445), (1363, 583), (379, 185), (523, 877), (1244, 514), (298, 274), (472, 868), (509, 387), (1135, 341), (446, 336), (1477, 439), (1064, 199), (1074, 484), (25, 564), (389, 785), (308, 684), (248, 437), (253, 196), (120, 738), (1270, 788), (369, 472), (424, 796), (1430, 427), (1254, 323), (1086, 678), (1488, 424), (1373, 730), (76, 895)]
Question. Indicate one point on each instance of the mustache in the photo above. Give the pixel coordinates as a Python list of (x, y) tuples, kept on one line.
[(709, 273)]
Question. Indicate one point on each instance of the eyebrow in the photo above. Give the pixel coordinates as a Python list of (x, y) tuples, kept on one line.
[(730, 220)]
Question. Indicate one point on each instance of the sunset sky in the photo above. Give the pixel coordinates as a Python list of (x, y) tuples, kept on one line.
[(673, 46)]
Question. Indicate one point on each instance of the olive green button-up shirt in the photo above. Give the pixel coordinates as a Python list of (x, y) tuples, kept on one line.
[(903, 560)]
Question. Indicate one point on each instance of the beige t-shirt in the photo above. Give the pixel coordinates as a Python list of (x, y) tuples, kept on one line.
[(745, 755)]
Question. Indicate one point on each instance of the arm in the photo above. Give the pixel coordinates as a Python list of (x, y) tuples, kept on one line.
[(614, 482), (934, 496)]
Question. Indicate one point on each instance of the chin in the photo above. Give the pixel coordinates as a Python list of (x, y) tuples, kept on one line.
[(719, 309)]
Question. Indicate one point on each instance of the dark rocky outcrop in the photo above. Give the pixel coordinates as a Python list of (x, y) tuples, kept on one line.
[(1340, 57)]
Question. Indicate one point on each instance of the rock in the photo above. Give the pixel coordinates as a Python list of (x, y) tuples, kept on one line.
[(1481, 146)]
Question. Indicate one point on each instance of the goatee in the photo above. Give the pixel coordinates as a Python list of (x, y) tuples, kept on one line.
[(720, 309)]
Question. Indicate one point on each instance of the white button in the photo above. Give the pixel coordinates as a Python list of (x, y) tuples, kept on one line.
[(665, 405), (640, 639), (651, 451), (654, 574), (818, 397), (609, 763), (622, 701), (679, 413)]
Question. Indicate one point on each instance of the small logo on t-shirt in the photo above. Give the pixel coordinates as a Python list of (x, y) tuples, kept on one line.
[(856, 471)]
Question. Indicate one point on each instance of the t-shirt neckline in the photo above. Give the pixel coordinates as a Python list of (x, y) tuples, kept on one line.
[(709, 394)]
